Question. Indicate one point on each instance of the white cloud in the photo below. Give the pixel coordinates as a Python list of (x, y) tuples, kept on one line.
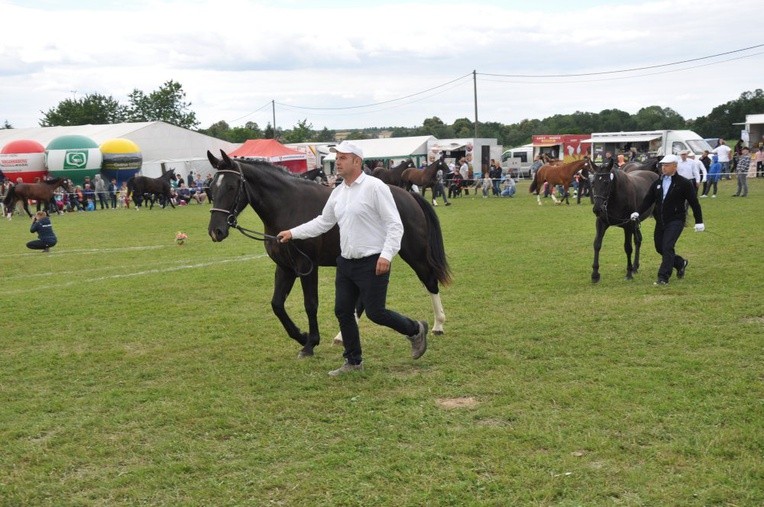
[(234, 58)]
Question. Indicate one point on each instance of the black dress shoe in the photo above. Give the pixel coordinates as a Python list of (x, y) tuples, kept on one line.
[(680, 271)]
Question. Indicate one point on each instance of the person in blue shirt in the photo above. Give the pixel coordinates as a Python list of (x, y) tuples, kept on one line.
[(46, 238)]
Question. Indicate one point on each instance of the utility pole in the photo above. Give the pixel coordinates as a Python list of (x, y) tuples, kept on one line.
[(273, 109), (474, 84)]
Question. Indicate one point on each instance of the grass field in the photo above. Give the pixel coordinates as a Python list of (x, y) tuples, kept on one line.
[(135, 371)]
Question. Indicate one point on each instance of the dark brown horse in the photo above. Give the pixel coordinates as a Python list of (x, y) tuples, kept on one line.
[(283, 201), (616, 195), (392, 176), (141, 186), (42, 191), (424, 178), (560, 174)]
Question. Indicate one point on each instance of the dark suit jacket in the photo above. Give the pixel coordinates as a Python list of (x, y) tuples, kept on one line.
[(672, 208)]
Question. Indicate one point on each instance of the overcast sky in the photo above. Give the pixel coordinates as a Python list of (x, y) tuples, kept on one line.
[(354, 64)]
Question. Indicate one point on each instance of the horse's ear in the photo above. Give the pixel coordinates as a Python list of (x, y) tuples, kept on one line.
[(226, 158), (213, 160)]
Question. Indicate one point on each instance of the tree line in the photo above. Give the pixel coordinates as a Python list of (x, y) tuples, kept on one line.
[(168, 104)]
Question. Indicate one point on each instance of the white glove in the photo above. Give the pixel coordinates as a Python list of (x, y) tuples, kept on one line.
[(635, 216), (700, 227)]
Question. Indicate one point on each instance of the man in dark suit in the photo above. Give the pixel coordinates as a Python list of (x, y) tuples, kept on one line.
[(669, 194)]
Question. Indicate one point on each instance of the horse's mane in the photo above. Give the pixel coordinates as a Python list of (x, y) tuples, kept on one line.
[(277, 172)]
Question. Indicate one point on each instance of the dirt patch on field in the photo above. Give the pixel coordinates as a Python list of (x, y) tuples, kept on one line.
[(754, 320), (464, 402)]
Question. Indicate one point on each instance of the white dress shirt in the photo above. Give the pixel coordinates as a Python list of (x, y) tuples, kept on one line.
[(687, 169), (367, 216)]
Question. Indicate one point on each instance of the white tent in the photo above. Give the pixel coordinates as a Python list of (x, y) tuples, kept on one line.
[(161, 144), (392, 148)]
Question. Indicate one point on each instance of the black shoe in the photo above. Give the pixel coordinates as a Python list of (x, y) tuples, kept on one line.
[(735, 195), (680, 271), (660, 282), (448, 204)]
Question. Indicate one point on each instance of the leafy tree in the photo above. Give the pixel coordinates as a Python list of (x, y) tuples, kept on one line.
[(435, 127), (269, 133), (325, 136), (300, 133), (463, 127), (165, 104), (658, 118), (93, 109), (220, 130), (720, 122)]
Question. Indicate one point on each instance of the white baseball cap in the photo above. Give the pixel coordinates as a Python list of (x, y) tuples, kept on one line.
[(347, 147), (669, 159)]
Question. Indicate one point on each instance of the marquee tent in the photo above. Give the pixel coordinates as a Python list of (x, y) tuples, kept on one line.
[(274, 152), (163, 146)]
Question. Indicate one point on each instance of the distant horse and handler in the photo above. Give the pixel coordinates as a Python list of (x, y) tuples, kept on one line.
[(558, 173)]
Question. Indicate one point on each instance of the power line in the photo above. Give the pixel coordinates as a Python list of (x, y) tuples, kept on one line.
[(376, 103), (634, 69)]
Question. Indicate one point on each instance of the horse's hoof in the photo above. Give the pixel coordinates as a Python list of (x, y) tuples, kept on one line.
[(304, 353), (337, 341), (437, 333)]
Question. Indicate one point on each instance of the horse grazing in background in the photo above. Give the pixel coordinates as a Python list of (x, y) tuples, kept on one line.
[(560, 174), (42, 192), (137, 186), (317, 175), (283, 201), (617, 194), (392, 176), (424, 178)]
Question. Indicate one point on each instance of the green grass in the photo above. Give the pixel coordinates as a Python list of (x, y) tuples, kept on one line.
[(134, 371)]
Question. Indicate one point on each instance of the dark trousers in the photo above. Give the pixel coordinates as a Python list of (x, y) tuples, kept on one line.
[(38, 244), (357, 278), (666, 236)]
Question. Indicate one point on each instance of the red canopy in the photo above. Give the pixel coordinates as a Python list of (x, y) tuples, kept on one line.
[(274, 152)]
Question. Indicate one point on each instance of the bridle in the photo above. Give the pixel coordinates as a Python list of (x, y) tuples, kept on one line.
[(604, 200), (233, 222)]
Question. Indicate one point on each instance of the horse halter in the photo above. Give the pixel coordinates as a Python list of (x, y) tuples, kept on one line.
[(252, 234), (231, 219)]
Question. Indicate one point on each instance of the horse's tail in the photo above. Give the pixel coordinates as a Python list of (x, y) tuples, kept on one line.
[(534, 186), (9, 197), (436, 254), (130, 186)]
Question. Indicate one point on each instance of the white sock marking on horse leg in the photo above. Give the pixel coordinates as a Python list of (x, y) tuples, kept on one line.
[(440, 314)]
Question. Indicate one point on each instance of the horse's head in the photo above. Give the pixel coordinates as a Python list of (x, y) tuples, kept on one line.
[(227, 195), (602, 188)]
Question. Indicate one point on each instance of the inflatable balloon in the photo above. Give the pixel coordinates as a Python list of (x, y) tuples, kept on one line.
[(122, 159), (23, 159), (73, 157)]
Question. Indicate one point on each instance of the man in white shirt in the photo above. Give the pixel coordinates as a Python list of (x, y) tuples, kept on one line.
[(370, 236), (723, 152), (687, 168)]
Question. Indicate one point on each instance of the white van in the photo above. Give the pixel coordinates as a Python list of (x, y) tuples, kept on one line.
[(518, 160), (654, 143)]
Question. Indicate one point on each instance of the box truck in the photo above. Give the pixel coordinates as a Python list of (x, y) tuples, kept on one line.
[(653, 143), (566, 147)]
